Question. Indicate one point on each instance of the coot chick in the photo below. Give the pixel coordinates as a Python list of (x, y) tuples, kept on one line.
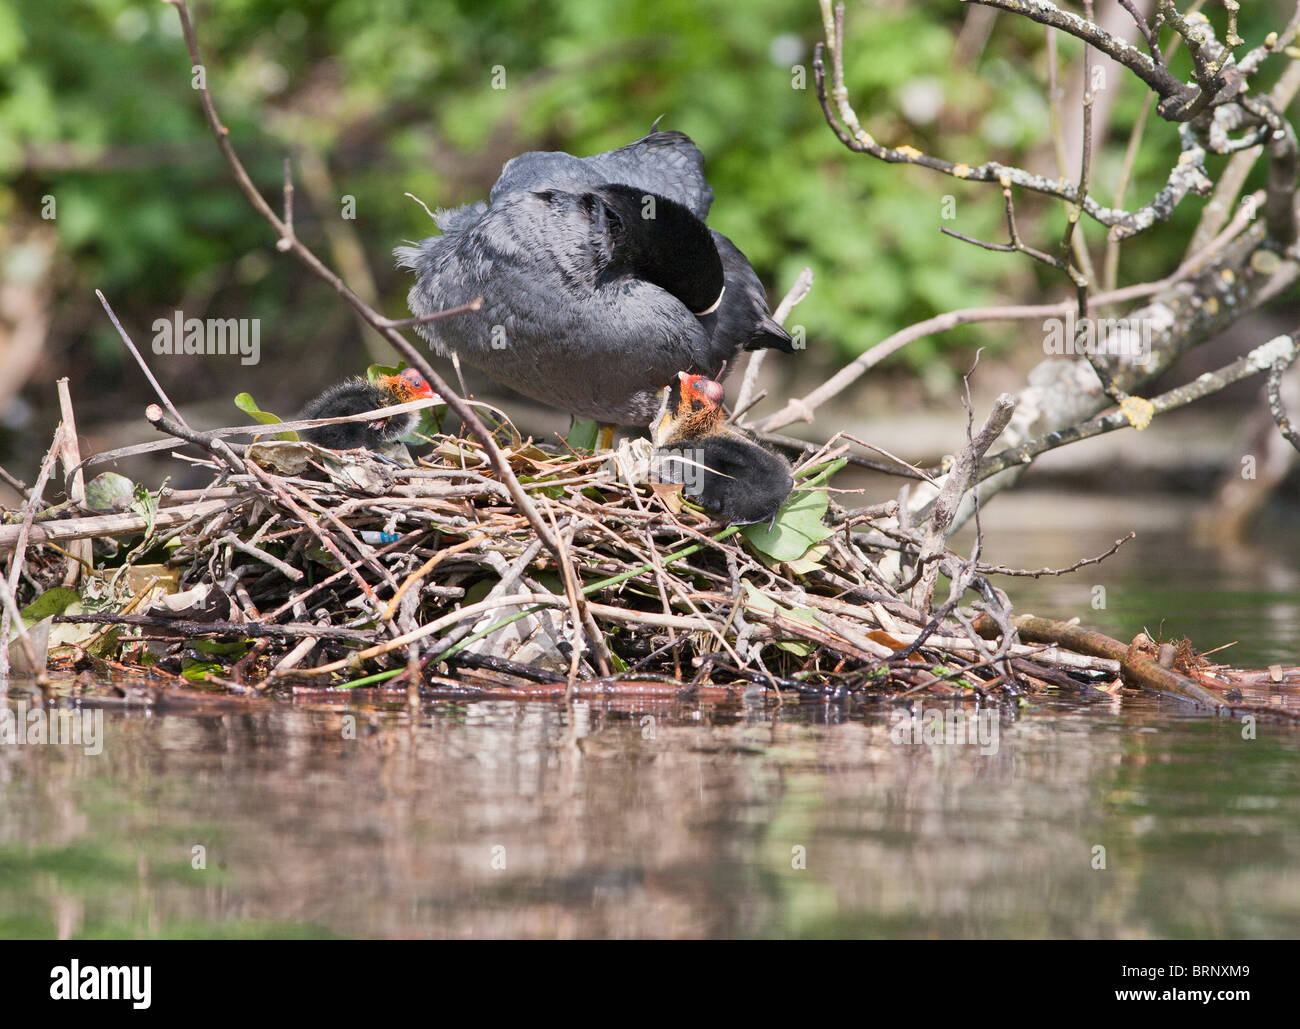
[(600, 280), (729, 474), (354, 396)]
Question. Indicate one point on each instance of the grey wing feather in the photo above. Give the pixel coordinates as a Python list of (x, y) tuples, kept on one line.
[(666, 163), (457, 219), (548, 327)]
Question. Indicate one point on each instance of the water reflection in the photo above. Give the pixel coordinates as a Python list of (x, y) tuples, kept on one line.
[(652, 818), (1248, 593)]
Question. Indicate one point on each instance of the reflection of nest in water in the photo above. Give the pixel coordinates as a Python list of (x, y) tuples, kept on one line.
[(303, 566)]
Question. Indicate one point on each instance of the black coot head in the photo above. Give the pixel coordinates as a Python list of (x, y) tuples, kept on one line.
[(660, 241)]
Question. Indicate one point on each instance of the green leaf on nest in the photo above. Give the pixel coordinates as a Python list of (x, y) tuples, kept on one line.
[(246, 403), (109, 491), (198, 671), (52, 602), (798, 525), (213, 648), (582, 434)]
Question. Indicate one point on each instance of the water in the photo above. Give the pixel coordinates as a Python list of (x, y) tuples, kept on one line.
[(1166, 580), (663, 818)]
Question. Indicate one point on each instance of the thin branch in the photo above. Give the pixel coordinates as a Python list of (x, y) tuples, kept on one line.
[(1153, 43), (1261, 359), (12, 616), (19, 556), (960, 479), (17, 485), (286, 241), (287, 570), (1085, 167), (139, 360), (268, 428), (802, 284), (1175, 95), (406, 323), (1188, 175), (1038, 573), (215, 446), (81, 552), (1275, 407), (802, 408)]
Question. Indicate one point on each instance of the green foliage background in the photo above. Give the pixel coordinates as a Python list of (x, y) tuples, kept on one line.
[(96, 110)]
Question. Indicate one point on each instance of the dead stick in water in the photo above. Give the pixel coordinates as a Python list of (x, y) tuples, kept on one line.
[(1145, 671)]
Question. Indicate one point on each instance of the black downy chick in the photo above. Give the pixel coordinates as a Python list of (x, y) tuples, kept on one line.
[(730, 475), (600, 280), (354, 396)]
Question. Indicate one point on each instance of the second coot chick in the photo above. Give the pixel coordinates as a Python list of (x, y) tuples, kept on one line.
[(354, 396), (730, 475)]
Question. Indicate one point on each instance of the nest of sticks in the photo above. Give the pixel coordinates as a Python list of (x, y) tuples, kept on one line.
[(496, 564), (299, 568)]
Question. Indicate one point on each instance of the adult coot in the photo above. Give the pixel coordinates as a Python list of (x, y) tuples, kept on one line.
[(600, 280)]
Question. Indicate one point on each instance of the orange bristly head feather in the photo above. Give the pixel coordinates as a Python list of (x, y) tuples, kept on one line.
[(409, 385), (699, 412)]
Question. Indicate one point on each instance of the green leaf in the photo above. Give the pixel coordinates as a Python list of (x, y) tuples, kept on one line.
[(212, 648), (810, 562), (374, 371), (798, 526), (145, 504), (105, 644), (582, 434), (52, 602), (198, 671), (430, 424), (109, 491), (246, 403)]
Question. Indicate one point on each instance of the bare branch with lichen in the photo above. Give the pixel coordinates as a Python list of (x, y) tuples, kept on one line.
[(1237, 271), (1187, 176), (1281, 363)]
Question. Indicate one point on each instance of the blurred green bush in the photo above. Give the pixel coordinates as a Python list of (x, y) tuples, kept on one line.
[(96, 110)]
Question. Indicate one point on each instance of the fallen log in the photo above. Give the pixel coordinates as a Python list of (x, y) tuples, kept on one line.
[(1136, 667)]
